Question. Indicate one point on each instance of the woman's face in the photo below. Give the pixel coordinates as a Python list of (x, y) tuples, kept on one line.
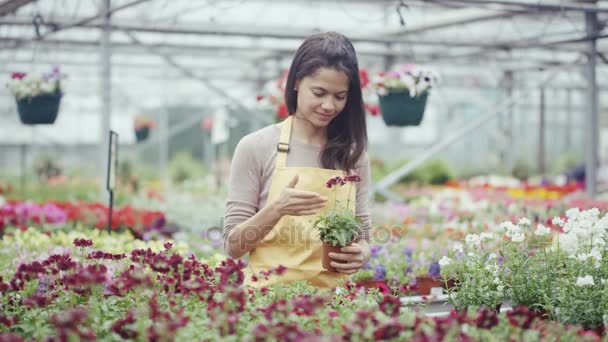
[(322, 96)]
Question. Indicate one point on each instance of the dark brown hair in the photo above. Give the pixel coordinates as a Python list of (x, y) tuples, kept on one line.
[(347, 133)]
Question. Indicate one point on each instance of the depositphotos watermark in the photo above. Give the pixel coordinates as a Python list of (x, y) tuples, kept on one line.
[(291, 235)]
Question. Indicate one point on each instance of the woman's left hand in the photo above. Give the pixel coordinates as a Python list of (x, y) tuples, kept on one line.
[(352, 258)]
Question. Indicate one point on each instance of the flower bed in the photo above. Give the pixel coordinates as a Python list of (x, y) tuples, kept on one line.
[(142, 223), (562, 272), (84, 291)]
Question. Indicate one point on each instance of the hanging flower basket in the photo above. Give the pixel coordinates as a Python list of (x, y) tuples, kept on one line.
[(142, 134), (399, 109), (39, 110)]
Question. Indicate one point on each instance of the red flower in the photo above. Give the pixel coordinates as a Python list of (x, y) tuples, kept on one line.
[(18, 75), (282, 111), (364, 77)]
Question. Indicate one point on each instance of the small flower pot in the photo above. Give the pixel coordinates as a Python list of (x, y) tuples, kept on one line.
[(142, 134), (327, 248), (424, 284), (399, 109), (39, 110)]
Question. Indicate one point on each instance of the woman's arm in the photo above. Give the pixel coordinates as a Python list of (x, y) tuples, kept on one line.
[(245, 236)]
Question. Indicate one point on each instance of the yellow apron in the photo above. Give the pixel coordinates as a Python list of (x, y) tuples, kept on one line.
[(294, 242)]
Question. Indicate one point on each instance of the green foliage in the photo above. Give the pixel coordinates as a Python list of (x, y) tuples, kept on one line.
[(184, 167), (432, 172), (522, 170), (565, 162), (337, 229)]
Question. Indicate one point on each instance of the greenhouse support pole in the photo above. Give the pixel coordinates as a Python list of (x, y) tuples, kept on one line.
[(568, 129), (542, 167), (106, 91), (592, 124), (164, 146)]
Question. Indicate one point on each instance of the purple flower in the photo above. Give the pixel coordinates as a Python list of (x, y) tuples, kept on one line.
[(434, 269), (374, 250), (380, 272), (408, 253)]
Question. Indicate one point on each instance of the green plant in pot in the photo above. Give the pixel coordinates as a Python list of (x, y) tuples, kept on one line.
[(338, 227)]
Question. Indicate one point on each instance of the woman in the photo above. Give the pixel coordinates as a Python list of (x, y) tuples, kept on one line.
[(278, 173)]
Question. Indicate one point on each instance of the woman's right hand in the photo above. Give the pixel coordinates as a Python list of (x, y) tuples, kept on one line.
[(295, 202)]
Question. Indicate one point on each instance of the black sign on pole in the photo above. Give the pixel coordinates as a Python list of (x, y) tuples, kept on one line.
[(111, 175)]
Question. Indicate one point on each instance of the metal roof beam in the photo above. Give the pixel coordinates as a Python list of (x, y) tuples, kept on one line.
[(537, 5), (11, 6)]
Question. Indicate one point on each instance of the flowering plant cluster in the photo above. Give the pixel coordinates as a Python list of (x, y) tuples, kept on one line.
[(411, 78), (28, 85), (562, 272), (149, 294), (142, 223), (339, 227), (142, 121)]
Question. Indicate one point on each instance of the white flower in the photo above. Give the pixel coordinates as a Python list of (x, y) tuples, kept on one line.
[(542, 230), (584, 281), (558, 221), (518, 237), (444, 261), (492, 256), (472, 240), (568, 243), (572, 213), (524, 222), (486, 236), (458, 248), (339, 290), (500, 288), (508, 226), (382, 91), (497, 280)]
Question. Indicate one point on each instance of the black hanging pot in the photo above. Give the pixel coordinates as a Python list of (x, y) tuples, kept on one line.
[(39, 110), (400, 109), (141, 134)]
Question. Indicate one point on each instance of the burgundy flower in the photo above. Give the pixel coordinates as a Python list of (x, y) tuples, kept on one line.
[(83, 243), (486, 318), (521, 317), (390, 305), (120, 326), (7, 321), (388, 331)]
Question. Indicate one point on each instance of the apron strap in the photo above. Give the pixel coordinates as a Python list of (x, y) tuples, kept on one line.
[(284, 139)]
